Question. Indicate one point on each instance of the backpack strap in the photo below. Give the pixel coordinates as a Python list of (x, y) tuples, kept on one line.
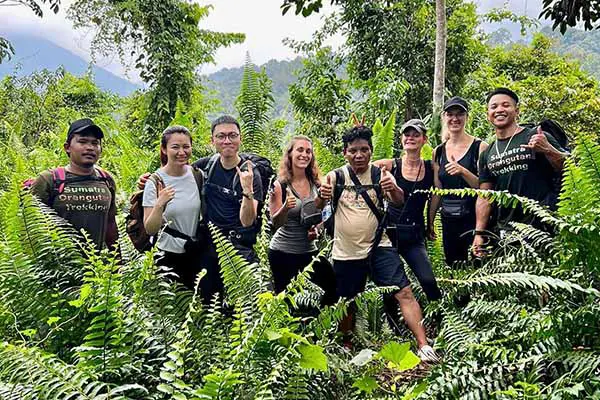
[(340, 182), (376, 179), (359, 187)]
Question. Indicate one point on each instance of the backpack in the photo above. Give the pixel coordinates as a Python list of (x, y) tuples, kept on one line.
[(554, 129), (59, 181), (261, 164), (340, 184), (134, 220)]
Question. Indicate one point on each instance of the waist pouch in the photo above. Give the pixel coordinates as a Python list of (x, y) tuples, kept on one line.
[(456, 208), (403, 235), (245, 237), (192, 246), (310, 215)]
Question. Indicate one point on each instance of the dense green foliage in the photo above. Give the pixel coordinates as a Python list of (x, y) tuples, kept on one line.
[(81, 324)]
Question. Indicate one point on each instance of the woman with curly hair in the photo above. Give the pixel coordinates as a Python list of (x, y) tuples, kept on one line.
[(295, 218)]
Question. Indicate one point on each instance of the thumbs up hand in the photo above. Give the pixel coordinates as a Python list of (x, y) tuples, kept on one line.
[(326, 189), (290, 200), (539, 142), (387, 182), (453, 167)]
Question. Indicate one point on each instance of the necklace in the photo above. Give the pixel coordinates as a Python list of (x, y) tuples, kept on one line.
[(500, 155)]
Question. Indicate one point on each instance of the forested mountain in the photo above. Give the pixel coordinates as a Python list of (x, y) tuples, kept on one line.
[(580, 45), (226, 83), (33, 53)]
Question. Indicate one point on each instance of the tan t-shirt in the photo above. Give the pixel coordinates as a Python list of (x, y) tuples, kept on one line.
[(355, 223)]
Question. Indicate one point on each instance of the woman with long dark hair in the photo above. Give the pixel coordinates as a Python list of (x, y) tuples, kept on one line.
[(172, 203), (295, 218)]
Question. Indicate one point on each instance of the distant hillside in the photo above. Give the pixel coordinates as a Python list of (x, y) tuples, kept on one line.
[(34, 54), (579, 45), (226, 83)]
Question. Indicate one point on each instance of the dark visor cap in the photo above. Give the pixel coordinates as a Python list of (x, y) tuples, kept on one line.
[(84, 125), (456, 102)]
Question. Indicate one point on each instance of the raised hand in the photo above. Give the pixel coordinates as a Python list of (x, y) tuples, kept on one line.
[(290, 200), (141, 183), (165, 194), (538, 142), (387, 182), (326, 189), (453, 167), (246, 177)]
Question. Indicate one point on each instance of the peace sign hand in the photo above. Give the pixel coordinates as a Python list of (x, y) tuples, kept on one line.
[(246, 174)]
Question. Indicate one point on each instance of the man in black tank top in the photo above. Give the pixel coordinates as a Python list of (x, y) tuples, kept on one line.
[(522, 161)]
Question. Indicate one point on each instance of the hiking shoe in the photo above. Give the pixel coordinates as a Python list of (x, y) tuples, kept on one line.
[(428, 355)]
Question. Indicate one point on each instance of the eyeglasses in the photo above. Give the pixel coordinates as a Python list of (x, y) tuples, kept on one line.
[(231, 136), (412, 133)]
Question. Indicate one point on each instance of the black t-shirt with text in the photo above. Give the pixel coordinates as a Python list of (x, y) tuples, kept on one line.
[(518, 170)]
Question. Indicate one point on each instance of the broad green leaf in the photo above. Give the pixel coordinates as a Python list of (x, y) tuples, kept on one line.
[(366, 384), (312, 357)]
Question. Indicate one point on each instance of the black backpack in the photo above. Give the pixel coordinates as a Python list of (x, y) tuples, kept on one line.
[(554, 129), (261, 164)]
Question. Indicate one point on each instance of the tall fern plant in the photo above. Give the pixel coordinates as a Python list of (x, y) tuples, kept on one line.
[(254, 104)]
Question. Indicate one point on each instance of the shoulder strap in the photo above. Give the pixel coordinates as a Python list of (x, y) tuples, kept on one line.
[(364, 193), (375, 179), (59, 177), (438, 152), (210, 166), (340, 182), (294, 191)]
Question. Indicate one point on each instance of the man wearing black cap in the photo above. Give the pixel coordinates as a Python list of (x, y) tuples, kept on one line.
[(522, 161), (82, 193)]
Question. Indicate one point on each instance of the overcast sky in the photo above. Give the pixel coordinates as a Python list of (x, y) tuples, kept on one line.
[(260, 20)]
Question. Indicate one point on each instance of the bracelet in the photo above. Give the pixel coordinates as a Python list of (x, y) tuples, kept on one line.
[(249, 196), (480, 233)]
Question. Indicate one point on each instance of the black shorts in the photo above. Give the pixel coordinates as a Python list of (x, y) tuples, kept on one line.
[(385, 270)]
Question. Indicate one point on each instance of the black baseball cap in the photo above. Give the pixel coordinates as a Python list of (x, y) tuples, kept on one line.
[(416, 124), (456, 102), (84, 125)]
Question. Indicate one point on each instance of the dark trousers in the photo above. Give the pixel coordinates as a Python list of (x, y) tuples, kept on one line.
[(186, 266), (285, 266), (416, 257), (457, 236)]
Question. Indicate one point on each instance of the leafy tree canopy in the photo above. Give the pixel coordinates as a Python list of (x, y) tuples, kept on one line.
[(164, 40), (569, 13)]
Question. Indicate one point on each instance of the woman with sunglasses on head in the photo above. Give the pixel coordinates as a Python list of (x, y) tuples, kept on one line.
[(455, 167), (407, 222), (295, 216)]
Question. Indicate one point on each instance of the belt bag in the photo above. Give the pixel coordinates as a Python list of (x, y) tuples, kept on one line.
[(245, 237), (192, 246), (407, 234), (310, 215), (455, 208)]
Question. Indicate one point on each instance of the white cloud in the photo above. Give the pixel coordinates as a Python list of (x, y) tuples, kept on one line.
[(260, 20)]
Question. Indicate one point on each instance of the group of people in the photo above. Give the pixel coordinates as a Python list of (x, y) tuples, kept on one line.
[(377, 208)]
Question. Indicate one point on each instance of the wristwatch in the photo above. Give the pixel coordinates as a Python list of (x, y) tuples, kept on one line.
[(249, 196)]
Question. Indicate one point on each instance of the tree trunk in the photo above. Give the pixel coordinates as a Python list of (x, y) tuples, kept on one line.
[(440, 59)]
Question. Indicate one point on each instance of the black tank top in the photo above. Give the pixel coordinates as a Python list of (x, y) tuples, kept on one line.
[(469, 161), (411, 212)]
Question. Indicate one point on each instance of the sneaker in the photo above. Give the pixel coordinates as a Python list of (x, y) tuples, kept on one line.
[(428, 355)]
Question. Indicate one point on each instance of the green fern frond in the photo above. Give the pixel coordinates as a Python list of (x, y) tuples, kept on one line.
[(522, 280), (240, 278), (383, 141)]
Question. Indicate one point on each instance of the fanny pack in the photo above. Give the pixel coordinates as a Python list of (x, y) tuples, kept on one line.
[(191, 245), (310, 215), (455, 208), (405, 234)]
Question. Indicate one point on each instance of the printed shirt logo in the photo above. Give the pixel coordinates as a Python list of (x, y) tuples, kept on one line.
[(86, 198), (353, 199), (515, 159)]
